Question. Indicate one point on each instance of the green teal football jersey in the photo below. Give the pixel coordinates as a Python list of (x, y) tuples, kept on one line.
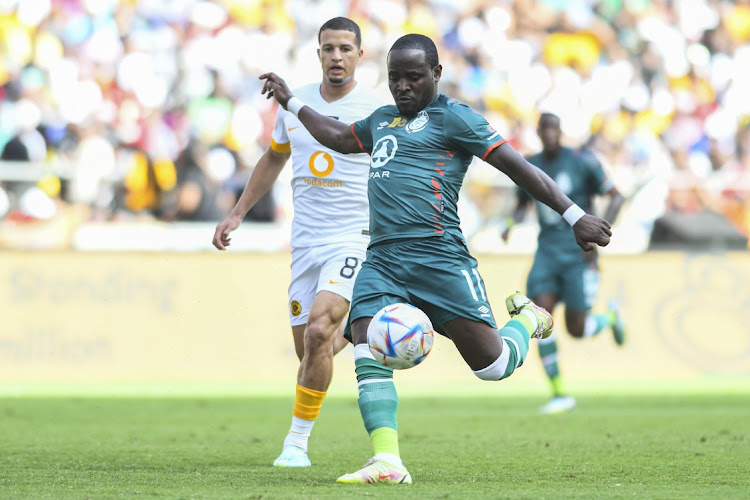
[(580, 176), (417, 166)]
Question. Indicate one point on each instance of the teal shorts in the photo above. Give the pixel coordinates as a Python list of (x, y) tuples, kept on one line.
[(567, 275), (436, 274)]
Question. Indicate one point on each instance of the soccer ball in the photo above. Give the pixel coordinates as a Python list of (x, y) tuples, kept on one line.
[(400, 336)]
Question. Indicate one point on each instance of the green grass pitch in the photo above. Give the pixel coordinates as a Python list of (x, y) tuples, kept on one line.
[(622, 444)]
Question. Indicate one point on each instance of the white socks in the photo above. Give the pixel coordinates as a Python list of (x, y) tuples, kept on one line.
[(299, 433)]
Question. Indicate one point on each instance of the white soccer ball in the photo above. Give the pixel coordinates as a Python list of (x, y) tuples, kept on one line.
[(400, 336)]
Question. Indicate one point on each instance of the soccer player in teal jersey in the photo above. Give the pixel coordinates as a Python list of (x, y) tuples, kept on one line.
[(561, 272), (420, 150)]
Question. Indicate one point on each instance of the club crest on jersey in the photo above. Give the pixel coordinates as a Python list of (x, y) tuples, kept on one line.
[(295, 308), (383, 151), (418, 123)]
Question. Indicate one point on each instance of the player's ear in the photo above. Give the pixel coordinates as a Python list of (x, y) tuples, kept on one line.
[(437, 72)]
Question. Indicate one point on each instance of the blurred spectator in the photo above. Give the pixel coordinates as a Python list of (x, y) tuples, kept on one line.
[(661, 88), (4, 201), (147, 188), (15, 150), (199, 196), (264, 210)]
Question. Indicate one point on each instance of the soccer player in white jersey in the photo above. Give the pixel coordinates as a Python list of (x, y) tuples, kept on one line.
[(330, 226)]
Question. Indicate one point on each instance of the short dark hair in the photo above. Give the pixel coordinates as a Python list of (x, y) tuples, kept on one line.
[(547, 116), (342, 24), (419, 42)]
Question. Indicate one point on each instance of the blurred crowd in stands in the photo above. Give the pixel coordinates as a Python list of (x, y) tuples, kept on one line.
[(151, 109)]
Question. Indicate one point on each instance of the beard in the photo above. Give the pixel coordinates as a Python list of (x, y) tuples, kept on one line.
[(338, 80)]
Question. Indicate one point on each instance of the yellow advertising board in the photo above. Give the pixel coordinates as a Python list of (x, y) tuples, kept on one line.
[(222, 317)]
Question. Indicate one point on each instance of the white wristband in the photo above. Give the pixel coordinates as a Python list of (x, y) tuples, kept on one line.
[(572, 214), (294, 105)]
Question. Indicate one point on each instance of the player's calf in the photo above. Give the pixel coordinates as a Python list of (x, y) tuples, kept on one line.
[(515, 348), (618, 327)]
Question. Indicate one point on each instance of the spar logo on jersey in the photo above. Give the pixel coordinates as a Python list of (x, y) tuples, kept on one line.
[(418, 123), (384, 151)]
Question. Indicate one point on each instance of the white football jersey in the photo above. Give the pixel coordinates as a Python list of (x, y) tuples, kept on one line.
[(329, 188)]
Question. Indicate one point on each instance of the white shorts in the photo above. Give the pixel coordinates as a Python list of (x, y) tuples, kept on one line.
[(331, 267)]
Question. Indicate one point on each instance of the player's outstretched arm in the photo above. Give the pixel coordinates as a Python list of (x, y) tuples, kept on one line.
[(588, 229), (328, 131), (261, 181)]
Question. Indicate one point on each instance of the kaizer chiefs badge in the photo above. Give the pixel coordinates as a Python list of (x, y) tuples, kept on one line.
[(296, 308)]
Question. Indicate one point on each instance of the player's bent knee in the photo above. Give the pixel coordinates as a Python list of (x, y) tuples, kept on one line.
[(576, 334), (320, 333)]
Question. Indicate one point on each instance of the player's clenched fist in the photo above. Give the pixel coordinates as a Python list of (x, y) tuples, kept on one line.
[(590, 229)]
